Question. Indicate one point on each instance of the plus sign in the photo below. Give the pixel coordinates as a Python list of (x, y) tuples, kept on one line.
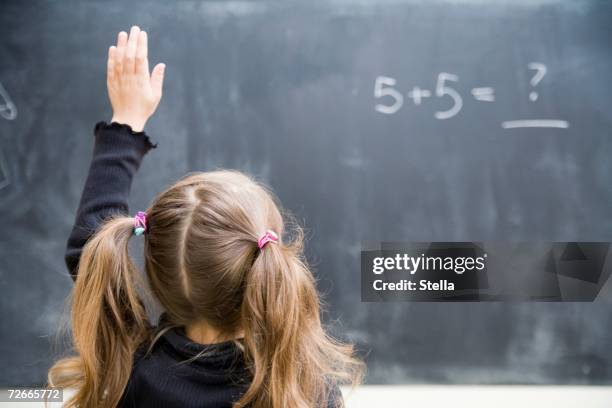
[(417, 94)]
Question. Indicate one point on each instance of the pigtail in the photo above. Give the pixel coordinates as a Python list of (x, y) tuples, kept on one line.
[(294, 363), (108, 320)]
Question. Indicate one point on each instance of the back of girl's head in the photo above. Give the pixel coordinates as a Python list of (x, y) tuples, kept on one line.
[(201, 243), (204, 263)]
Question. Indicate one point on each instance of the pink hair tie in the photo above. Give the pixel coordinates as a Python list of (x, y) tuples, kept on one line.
[(140, 223), (269, 236)]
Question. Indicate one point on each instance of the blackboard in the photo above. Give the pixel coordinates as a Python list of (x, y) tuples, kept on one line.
[(306, 96)]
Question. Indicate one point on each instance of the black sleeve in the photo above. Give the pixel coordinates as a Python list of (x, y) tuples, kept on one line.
[(118, 151)]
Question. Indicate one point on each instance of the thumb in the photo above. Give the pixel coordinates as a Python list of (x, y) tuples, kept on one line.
[(157, 78)]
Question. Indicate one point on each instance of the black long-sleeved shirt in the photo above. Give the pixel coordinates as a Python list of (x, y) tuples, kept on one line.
[(163, 377)]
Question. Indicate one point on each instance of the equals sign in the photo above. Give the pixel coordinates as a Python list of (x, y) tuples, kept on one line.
[(485, 94)]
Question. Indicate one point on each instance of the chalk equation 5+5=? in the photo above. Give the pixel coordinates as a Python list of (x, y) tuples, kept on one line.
[(390, 100)]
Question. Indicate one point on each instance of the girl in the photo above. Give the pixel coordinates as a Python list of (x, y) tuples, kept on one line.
[(241, 325)]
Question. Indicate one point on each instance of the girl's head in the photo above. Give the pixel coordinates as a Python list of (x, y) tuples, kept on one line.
[(203, 263), (201, 247)]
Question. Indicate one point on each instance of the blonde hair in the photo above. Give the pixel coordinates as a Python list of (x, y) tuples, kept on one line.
[(203, 263)]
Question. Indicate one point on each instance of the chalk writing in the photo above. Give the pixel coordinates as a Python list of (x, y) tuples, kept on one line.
[(382, 88), (417, 94), (390, 99), (549, 123), (540, 72), (442, 90), (484, 94)]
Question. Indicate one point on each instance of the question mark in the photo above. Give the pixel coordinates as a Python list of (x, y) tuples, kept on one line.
[(541, 71)]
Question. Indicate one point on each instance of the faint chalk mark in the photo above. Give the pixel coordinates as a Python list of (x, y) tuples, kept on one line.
[(4, 178), (8, 110)]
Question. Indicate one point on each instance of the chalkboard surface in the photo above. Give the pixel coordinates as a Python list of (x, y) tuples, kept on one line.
[(395, 120)]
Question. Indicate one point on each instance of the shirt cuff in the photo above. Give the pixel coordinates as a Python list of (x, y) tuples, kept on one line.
[(119, 135)]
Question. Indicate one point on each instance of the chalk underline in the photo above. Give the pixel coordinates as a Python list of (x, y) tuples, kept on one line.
[(535, 123)]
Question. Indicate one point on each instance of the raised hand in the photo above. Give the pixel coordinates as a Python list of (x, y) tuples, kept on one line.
[(134, 93)]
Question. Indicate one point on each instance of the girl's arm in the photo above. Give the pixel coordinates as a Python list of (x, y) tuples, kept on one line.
[(120, 146)]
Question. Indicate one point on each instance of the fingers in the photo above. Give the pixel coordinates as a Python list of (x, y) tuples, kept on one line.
[(130, 52), (110, 66), (142, 60), (120, 53), (157, 79), (130, 56)]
